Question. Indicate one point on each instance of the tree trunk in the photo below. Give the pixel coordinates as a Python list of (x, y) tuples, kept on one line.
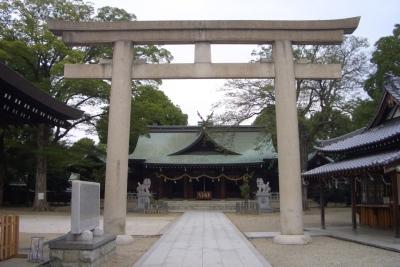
[(40, 201), (2, 166), (303, 166)]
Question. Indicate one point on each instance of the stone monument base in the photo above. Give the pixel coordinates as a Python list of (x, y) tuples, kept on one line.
[(292, 239), (67, 252)]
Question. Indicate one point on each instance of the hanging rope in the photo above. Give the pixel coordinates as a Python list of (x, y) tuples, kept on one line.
[(218, 177)]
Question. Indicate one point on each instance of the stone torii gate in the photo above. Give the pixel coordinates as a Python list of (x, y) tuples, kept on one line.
[(281, 34)]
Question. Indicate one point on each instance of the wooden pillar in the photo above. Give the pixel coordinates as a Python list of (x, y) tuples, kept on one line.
[(353, 203), (222, 183), (322, 201), (395, 201), (185, 188), (160, 188)]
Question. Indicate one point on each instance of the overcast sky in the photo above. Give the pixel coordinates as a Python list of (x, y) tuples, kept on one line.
[(377, 19)]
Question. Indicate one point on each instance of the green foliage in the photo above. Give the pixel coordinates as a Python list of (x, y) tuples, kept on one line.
[(111, 14), (88, 160), (387, 59), (27, 46), (363, 112), (149, 106), (245, 189)]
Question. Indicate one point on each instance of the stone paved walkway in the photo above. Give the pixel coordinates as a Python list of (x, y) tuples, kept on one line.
[(202, 238)]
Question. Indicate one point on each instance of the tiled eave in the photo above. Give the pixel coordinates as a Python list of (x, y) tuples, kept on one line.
[(355, 166), (23, 103), (374, 139)]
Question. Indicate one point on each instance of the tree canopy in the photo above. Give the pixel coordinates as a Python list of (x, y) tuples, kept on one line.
[(386, 58), (27, 46), (324, 106), (150, 106)]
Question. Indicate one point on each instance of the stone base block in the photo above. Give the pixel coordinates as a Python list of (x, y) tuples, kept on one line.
[(65, 252), (123, 240), (292, 239)]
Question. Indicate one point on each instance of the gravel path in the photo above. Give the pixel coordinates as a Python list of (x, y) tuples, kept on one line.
[(322, 251), (269, 222), (325, 251), (126, 256)]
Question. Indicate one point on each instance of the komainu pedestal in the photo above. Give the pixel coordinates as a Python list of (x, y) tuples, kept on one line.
[(263, 196), (264, 202), (143, 194)]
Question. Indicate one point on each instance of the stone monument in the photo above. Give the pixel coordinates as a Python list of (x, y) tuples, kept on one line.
[(263, 196), (143, 194), (86, 244)]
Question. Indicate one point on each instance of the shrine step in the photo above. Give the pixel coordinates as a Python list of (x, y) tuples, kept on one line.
[(220, 205)]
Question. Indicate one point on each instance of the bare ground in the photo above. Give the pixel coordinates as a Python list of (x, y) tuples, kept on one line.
[(322, 251), (126, 256), (269, 222), (145, 228), (325, 251)]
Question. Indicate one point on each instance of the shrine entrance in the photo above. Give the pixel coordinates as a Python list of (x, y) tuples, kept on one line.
[(281, 34)]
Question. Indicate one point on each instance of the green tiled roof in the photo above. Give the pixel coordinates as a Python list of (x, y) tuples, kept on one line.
[(249, 144)]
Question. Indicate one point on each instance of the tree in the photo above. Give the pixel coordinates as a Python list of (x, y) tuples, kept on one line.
[(324, 106), (27, 46), (88, 160), (149, 106), (386, 57)]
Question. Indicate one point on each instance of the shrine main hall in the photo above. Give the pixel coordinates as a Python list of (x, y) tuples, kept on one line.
[(198, 162)]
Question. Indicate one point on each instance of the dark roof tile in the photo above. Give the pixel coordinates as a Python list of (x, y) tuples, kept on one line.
[(336, 168)]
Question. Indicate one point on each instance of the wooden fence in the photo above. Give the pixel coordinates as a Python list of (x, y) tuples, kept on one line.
[(9, 234)]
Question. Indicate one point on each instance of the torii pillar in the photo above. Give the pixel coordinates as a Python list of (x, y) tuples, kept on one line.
[(119, 118), (291, 211), (281, 34)]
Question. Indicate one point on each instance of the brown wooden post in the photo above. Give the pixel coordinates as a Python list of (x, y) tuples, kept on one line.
[(185, 188), (190, 189), (395, 201), (161, 188), (222, 182), (353, 203), (322, 201)]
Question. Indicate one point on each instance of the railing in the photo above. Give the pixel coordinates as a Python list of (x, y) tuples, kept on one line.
[(247, 207), (9, 235), (156, 207), (131, 196), (275, 196)]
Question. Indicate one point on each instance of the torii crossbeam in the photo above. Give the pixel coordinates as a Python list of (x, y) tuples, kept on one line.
[(122, 69)]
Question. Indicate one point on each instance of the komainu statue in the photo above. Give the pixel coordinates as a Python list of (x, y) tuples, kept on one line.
[(263, 187), (145, 187)]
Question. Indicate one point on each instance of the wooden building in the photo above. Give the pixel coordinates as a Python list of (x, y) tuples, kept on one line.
[(23, 103), (200, 162), (370, 159)]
